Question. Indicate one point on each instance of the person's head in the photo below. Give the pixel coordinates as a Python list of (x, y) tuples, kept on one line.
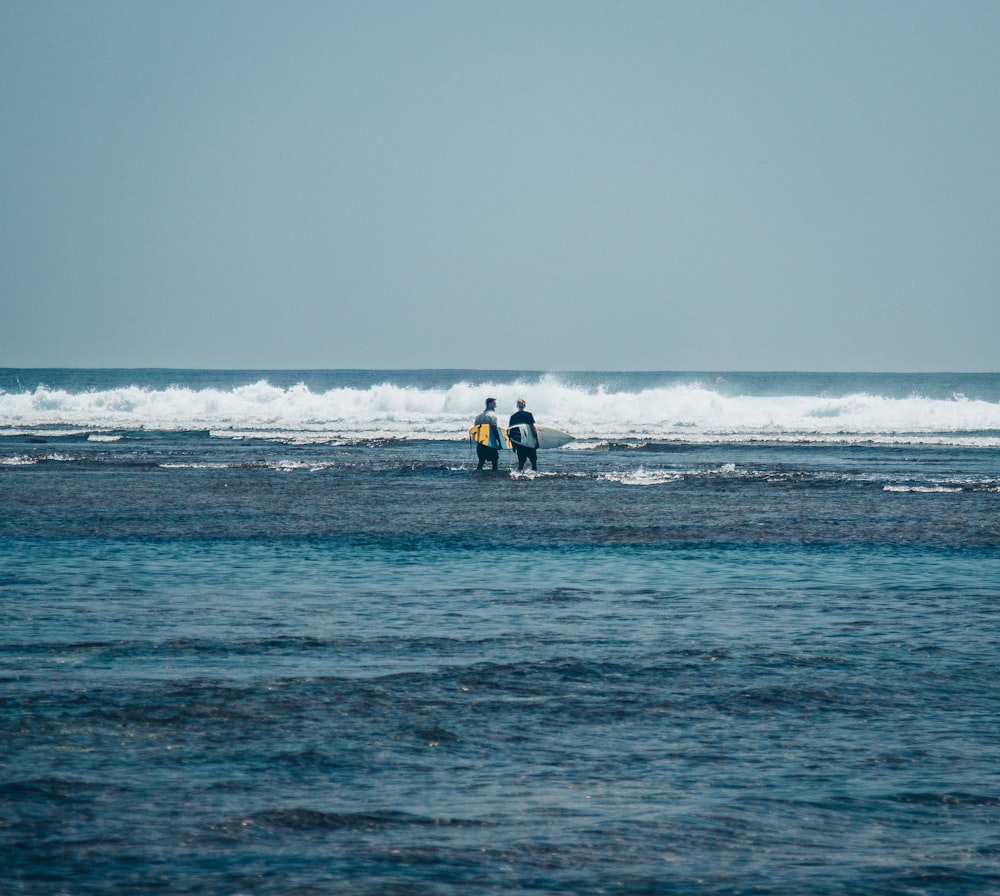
[(491, 403), (520, 404)]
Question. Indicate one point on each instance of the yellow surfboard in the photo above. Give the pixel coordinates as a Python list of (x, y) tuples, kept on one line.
[(491, 436)]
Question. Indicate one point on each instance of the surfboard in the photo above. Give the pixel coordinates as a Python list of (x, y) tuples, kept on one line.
[(548, 436), (488, 435)]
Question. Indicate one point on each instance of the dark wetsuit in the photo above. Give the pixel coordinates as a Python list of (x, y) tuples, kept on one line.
[(524, 452)]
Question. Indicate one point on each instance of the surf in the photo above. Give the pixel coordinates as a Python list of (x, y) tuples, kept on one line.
[(598, 409)]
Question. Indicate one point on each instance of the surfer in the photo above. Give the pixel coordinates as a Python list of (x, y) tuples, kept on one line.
[(486, 452), (525, 452)]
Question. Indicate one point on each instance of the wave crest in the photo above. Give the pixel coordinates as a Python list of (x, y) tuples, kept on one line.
[(680, 411)]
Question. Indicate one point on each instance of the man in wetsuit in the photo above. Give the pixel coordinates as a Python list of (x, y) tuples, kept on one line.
[(525, 452), (485, 452)]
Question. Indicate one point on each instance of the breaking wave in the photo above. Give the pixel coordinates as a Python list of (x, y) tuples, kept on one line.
[(626, 411)]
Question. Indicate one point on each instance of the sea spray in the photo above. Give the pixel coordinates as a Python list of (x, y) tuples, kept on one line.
[(615, 408)]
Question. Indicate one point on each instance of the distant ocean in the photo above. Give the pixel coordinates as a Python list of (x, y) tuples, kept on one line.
[(269, 632)]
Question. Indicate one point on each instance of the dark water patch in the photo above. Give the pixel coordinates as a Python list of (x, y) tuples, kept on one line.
[(958, 800), (311, 820), (48, 789)]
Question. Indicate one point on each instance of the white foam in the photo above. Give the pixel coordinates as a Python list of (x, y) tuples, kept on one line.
[(24, 460), (922, 489), (641, 477), (673, 413)]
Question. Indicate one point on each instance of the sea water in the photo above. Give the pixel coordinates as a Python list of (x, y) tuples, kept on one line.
[(269, 632)]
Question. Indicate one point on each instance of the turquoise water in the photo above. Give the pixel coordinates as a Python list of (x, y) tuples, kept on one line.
[(281, 664)]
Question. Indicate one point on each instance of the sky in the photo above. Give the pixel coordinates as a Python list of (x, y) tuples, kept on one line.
[(534, 185)]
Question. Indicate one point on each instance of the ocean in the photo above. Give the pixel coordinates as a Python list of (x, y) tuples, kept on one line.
[(270, 632)]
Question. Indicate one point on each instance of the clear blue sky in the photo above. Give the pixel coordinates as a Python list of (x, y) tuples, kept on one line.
[(557, 185)]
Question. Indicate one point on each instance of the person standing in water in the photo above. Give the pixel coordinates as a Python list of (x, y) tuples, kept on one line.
[(485, 452), (525, 452)]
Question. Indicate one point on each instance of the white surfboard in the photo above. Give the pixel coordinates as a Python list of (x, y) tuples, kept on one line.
[(548, 436)]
